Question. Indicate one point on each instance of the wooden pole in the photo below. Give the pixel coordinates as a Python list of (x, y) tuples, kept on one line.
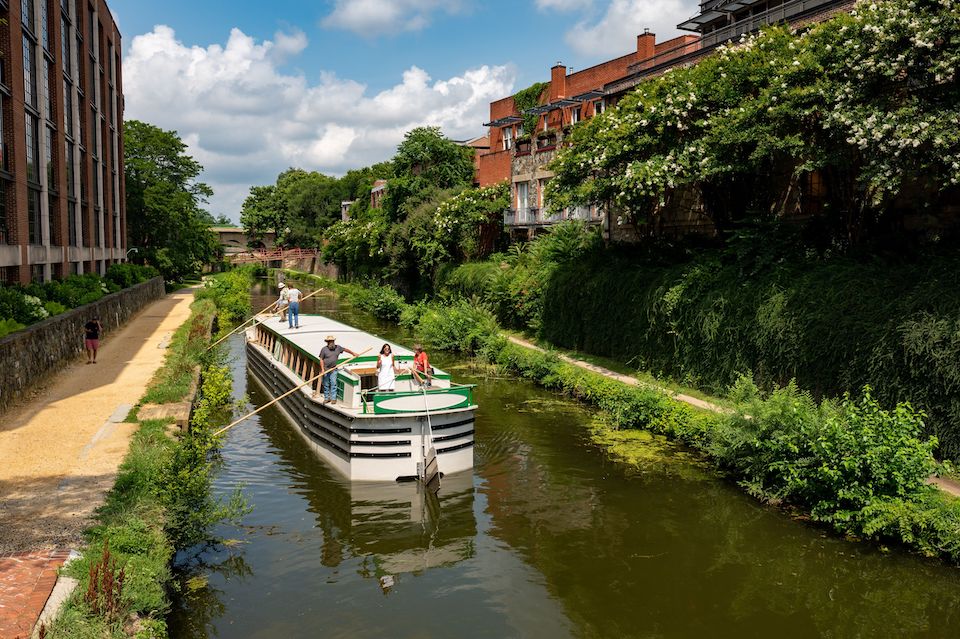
[(256, 316), (289, 392)]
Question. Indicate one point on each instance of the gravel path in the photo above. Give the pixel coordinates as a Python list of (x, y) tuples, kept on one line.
[(59, 451)]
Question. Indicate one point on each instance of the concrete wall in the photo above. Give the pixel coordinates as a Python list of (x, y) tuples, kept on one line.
[(28, 356)]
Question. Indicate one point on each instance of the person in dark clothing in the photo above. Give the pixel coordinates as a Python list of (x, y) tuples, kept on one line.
[(91, 341)]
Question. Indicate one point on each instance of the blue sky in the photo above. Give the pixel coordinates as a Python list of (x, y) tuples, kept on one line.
[(256, 87)]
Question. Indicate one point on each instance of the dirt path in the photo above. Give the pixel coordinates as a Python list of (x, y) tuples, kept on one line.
[(59, 452)]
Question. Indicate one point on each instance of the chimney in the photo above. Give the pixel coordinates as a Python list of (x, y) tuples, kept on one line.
[(558, 82), (646, 45)]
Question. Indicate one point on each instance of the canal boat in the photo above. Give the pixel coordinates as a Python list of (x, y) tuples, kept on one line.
[(368, 434)]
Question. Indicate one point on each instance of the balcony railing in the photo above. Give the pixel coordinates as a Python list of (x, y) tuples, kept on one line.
[(542, 217)]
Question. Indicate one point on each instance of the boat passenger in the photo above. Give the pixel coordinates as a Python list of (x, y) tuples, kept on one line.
[(282, 302), (329, 355), (293, 313), (421, 366), (386, 370)]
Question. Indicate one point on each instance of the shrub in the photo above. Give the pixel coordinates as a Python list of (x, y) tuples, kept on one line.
[(382, 302), (230, 291), (8, 326)]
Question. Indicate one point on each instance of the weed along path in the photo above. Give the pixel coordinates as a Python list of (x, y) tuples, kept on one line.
[(59, 452)]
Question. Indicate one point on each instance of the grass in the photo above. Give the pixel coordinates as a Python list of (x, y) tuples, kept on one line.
[(132, 519)]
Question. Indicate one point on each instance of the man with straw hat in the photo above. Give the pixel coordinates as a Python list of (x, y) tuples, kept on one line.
[(282, 302), (329, 355)]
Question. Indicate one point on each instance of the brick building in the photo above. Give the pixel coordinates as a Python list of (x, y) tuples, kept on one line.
[(61, 115), (377, 193), (522, 156)]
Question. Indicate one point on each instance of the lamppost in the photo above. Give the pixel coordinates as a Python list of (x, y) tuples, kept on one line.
[(129, 251)]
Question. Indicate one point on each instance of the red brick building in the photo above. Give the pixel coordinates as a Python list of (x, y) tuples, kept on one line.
[(522, 156), (61, 114)]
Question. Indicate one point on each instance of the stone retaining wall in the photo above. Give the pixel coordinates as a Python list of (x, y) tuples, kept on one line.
[(27, 356)]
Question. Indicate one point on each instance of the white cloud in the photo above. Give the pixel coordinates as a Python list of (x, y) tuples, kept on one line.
[(563, 5), (616, 31), (376, 17), (246, 120)]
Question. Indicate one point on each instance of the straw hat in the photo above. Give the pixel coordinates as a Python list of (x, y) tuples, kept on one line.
[(329, 338), (281, 285)]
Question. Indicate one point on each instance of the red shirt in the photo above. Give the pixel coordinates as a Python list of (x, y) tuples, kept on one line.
[(420, 359)]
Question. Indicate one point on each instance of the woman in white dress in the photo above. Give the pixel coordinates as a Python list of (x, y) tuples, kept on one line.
[(386, 370)]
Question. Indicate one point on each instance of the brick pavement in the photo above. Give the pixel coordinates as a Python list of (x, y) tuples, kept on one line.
[(26, 580)]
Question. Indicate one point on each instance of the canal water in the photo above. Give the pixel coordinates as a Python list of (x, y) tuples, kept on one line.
[(546, 538)]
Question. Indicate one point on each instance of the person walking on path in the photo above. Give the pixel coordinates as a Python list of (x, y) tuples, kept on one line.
[(91, 339), (293, 311), (386, 370), (421, 366), (329, 355), (282, 302)]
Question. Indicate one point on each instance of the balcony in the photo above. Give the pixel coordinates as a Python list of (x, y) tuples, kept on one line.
[(523, 147)]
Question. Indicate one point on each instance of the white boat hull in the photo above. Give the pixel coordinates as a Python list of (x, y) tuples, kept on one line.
[(369, 447)]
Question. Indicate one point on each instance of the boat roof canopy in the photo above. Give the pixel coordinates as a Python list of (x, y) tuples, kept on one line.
[(314, 328)]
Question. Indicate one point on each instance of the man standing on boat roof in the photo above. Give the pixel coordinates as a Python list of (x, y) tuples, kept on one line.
[(282, 302), (329, 355)]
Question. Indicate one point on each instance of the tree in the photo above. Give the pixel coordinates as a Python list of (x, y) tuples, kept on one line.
[(259, 214), (426, 162), (165, 220)]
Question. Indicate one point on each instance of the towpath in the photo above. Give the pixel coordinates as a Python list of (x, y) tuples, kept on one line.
[(949, 486), (60, 450)]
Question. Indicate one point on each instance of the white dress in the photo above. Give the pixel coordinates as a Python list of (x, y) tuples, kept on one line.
[(387, 377)]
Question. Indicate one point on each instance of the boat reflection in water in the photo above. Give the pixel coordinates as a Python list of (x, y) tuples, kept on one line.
[(401, 528)]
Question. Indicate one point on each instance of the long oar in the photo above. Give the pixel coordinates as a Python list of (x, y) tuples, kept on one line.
[(289, 392), (255, 317)]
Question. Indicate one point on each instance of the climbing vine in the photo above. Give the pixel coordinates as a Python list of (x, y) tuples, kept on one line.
[(526, 99), (870, 97)]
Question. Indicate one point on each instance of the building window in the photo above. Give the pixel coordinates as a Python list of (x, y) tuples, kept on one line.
[(32, 148), (72, 222), (598, 107), (65, 46), (26, 14), (48, 72), (29, 73), (541, 190), (34, 228), (523, 197), (53, 217), (507, 138), (51, 162), (3, 147), (37, 273), (97, 227), (575, 115), (3, 212), (69, 164), (44, 26), (67, 108)]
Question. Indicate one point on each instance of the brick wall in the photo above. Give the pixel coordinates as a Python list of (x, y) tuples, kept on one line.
[(30, 355)]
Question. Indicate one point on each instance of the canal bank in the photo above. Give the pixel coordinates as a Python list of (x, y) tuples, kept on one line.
[(549, 536)]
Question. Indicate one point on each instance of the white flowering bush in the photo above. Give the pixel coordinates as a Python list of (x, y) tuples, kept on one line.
[(869, 99)]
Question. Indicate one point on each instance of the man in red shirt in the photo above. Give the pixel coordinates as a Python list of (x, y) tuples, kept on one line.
[(421, 366)]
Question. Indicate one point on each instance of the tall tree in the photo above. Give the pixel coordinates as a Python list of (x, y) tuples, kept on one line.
[(165, 220)]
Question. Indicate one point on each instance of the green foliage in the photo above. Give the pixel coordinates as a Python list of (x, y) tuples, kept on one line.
[(833, 325), (230, 291), (526, 99), (471, 279), (165, 220), (126, 275), (382, 302), (868, 99), (8, 326), (21, 306), (185, 478)]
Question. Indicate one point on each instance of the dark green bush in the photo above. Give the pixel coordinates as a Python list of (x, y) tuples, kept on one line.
[(833, 325), (382, 302), (127, 275)]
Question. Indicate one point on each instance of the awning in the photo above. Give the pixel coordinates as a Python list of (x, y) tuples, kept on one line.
[(694, 23), (510, 119), (596, 94)]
